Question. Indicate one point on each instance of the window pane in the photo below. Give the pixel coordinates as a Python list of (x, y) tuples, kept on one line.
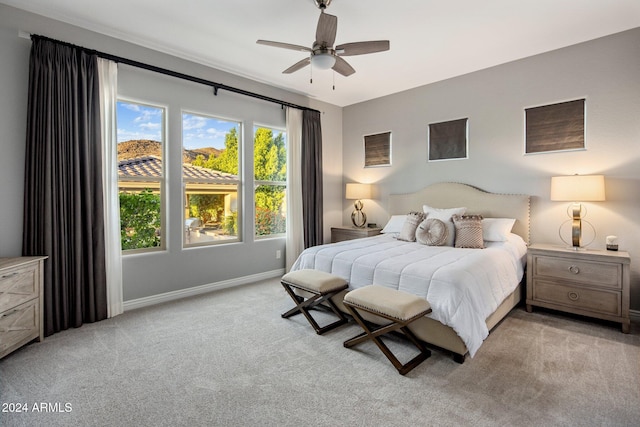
[(270, 173), (210, 179), (211, 217), (140, 175), (271, 212)]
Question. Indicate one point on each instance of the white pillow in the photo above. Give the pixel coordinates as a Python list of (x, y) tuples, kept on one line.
[(496, 229), (395, 223), (444, 215)]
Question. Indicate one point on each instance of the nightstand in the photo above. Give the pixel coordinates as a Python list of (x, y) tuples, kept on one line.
[(21, 302), (338, 234), (589, 282)]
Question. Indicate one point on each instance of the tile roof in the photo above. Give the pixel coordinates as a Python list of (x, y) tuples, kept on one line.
[(151, 166)]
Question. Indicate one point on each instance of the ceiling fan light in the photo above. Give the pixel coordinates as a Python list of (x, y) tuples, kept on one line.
[(323, 61)]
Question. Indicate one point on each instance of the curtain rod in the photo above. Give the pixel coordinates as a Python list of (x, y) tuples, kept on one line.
[(216, 86)]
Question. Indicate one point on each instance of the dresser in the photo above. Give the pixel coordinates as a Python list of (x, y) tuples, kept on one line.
[(338, 234), (21, 309), (589, 282)]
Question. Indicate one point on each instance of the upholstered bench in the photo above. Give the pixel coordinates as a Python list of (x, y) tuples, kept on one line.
[(401, 308), (322, 287)]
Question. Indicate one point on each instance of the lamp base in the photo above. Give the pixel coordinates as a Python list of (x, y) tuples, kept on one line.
[(358, 218), (577, 232)]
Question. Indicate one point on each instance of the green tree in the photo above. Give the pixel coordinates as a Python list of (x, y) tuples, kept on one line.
[(269, 165), (207, 207), (139, 220), (227, 161), (199, 160)]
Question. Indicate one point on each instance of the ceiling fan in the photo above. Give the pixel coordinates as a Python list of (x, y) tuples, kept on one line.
[(322, 54)]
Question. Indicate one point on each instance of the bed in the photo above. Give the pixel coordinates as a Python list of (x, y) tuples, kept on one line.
[(470, 290)]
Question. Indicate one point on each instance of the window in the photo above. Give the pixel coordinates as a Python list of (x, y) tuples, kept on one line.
[(141, 175), (210, 179), (270, 174)]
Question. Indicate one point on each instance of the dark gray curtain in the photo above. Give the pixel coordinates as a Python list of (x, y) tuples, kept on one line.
[(63, 208), (312, 178)]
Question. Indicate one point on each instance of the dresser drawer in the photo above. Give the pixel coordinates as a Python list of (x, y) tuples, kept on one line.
[(19, 325), (601, 274), (604, 302), (18, 285)]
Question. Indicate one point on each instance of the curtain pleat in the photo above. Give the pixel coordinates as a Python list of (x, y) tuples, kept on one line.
[(311, 172), (63, 209), (108, 78), (295, 217)]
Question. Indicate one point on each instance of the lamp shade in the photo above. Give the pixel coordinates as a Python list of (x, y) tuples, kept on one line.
[(577, 188), (357, 191)]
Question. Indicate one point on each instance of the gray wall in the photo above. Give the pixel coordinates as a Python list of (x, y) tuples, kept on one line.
[(605, 71), (151, 274)]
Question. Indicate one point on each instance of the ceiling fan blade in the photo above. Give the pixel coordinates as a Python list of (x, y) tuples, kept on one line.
[(327, 29), (298, 65), (284, 45), (360, 48), (341, 66)]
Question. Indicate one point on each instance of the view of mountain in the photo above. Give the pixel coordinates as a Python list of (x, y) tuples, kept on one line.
[(145, 147)]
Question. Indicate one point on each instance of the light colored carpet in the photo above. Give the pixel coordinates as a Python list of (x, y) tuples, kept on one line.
[(229, 359)]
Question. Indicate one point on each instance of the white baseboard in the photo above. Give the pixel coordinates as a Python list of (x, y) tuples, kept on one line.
[(197, 290), (634, 315)]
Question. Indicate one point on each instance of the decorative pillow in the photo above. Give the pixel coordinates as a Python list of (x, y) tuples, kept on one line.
[(432, 232), (394, 225), (496, 229), (408, 232), (444, 215), (468, 231)]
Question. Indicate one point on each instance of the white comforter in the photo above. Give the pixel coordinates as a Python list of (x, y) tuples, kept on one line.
[(463, 286)]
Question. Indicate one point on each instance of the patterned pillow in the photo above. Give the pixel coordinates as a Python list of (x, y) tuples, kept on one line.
[(468, 231), (432, 232), (444, 215), (408, 231)]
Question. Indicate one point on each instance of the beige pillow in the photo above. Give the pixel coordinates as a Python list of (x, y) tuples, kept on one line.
[(408, 231), (444, 215), (468, 231), (432, 232)]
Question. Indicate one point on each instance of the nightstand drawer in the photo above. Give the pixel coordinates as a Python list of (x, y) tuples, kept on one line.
[(599, 274), (19, 325), (18, 285), (604, 302)]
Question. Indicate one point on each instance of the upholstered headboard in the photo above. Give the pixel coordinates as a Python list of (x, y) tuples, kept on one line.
[(478, 202)]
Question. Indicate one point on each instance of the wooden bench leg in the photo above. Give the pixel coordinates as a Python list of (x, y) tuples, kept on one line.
[(375, 334), (303, 306)]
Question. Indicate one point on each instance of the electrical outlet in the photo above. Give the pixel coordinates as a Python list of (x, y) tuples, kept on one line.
[(278, 254)]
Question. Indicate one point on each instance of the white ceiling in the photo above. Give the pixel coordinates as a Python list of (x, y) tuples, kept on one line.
[(431, 40)]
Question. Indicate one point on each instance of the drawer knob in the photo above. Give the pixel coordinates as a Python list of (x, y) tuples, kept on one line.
[(574, 269), (573, 296)]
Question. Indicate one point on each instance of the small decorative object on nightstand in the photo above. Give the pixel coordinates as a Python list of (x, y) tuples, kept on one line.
[(338, 234), (590, 282)]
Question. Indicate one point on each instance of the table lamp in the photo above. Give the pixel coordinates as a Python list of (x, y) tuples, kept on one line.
[(577, 189), (356, 191)]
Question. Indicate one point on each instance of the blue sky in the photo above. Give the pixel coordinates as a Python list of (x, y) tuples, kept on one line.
[(136, 121)]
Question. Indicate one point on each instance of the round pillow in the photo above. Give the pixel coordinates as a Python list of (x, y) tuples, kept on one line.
[(432, 232)]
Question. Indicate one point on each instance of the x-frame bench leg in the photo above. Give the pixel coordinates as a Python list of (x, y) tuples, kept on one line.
[(375, 334), (303, 306)]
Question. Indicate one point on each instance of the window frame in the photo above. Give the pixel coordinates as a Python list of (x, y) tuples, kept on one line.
[(238, 183), (162, 180), (257, 183)]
